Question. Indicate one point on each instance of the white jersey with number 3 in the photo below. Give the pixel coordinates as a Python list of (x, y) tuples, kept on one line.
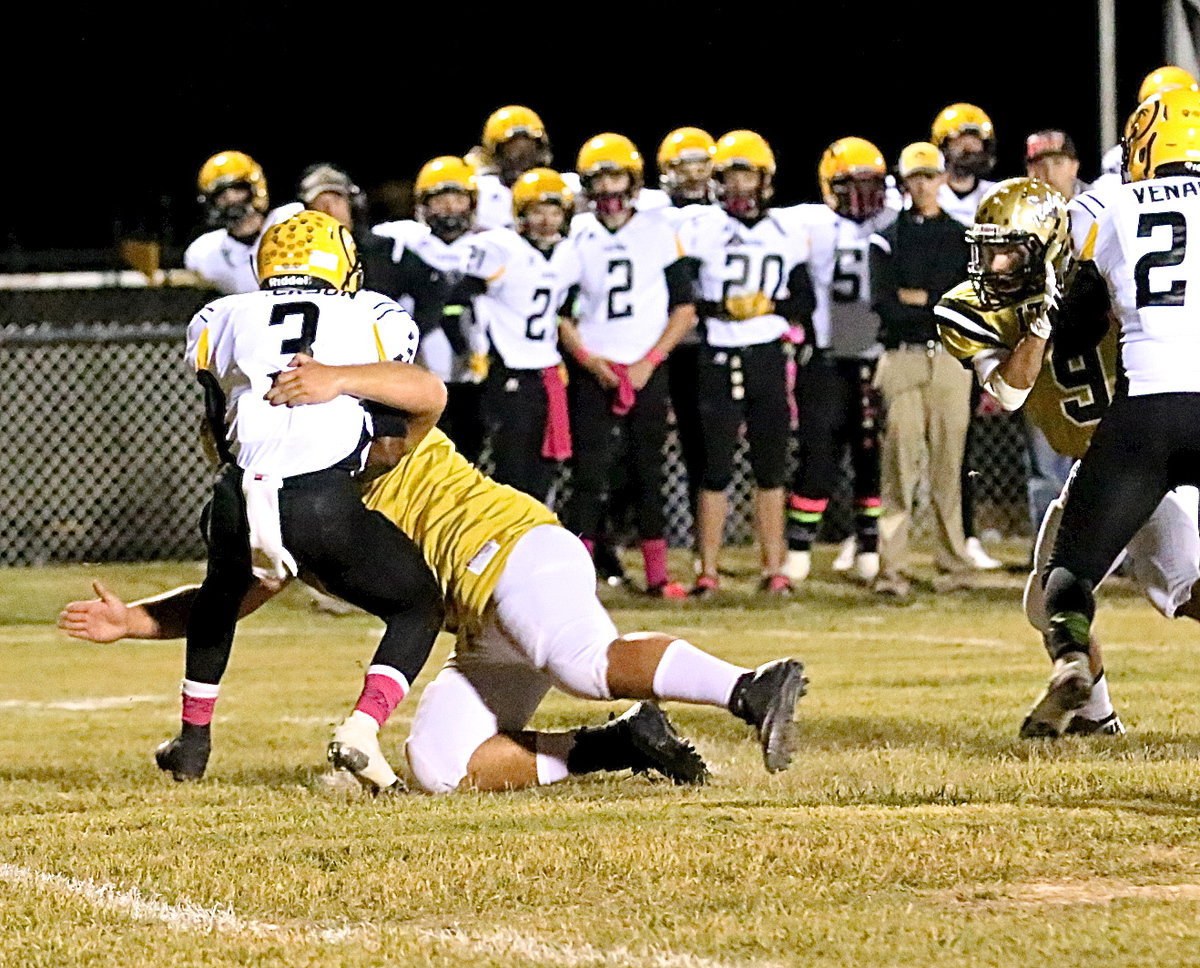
[(243, 340), (525, 290), (1137, 236), (623, 298)]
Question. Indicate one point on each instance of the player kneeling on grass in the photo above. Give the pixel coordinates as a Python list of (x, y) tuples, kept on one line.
[(520, 591)]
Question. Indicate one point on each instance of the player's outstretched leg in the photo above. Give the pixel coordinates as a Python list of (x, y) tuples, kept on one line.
[(1071, 606), (641, 739), (766, 699)]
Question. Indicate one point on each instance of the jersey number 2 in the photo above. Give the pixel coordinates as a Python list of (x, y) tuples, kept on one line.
[(308, 313), (625, 268), (1160, 258)]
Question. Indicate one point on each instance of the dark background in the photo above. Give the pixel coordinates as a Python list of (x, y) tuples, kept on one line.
[(107, 127)]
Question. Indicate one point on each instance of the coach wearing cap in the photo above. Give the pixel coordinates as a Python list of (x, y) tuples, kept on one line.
[(925, 391), (1050, 156)]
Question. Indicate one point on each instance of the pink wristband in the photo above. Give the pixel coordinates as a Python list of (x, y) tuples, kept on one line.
[(656, 357), (581, 355)]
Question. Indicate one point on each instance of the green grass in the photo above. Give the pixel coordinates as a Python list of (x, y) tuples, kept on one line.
[(914, 828)]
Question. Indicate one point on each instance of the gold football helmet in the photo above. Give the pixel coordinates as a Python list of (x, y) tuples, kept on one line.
[(1163, 135), (231, 169), (685, 164), (747, 151), (853, 178), (514, 141), (442, 175), (309, 249), (956, 120), (1166, 78), (1021, 232), (607, 153), (541, 185)]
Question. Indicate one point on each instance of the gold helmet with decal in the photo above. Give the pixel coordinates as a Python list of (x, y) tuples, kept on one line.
[(231, 169), (309, 249), (853, 178), (1163, 135), (1163, 79), (1021, 231)]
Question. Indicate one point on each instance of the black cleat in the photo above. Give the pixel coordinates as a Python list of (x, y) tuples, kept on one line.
[(186, 756), (766, 699), (640, 739), (1110, 725)]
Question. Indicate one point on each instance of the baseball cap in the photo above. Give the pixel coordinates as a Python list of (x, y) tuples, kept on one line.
[(324, 177), (1051, 141), (921, 156)]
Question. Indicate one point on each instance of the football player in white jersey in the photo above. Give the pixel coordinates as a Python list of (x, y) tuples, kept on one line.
[(519, 280), (514, 141), (635, 303), (233, 192), (754, 287), (1136, 237), (431, 254), (836, 403), (285, 498), (965, 135)]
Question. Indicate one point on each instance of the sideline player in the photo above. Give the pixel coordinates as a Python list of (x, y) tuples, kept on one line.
[(755, 287), (999, 324), (233, 194), (1135, 236), (635, 304), (838, 405), (521, 592), (285, 497), (519, 279)]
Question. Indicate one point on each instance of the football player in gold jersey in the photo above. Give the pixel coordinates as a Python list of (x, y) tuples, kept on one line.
[(999, 323), (521, 594)]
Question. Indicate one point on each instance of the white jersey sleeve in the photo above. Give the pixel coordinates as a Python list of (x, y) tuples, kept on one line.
[(494, 202), (1137, 236), (396, 332)]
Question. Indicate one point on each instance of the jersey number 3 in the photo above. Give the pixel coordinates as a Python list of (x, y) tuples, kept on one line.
[(308, 313), (1160, 258)]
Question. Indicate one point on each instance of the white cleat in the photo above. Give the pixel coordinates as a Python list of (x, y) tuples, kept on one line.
[(797, 565), (355, 747), (845, 558), (866, 566), (980, 558), (1068, 691)]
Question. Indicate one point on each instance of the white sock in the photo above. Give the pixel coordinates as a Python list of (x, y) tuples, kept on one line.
[(687, 674), (200, 690), (1098, 705), (552, 750)]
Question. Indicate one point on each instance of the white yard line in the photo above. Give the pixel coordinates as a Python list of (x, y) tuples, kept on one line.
[(92, 704), (221, 919), (864, 636)]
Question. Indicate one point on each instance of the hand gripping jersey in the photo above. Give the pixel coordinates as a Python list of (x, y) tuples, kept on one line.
[(437, 354), (839, 265), (1137, 235), (740, 260), (227, 264), (525, 290), (464, 523), (1070, 394), (623, 298), (963, 207), (244, 340)]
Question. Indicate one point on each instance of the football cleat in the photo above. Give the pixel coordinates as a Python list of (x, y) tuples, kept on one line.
[(845, 556), (706, 586), (979, 557), (1110, 725), (1069, 689), (777, 585), (355, 747), (766, 699), (797, 565), (866, 565), (186, 756), (641, 739)]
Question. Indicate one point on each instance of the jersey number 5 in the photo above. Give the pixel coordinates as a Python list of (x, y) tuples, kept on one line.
[(1160, 258), (308, 313)]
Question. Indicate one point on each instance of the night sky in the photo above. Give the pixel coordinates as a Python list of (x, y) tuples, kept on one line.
[(105, 133)]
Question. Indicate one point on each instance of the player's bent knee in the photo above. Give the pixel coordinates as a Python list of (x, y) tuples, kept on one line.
[(435, 770)]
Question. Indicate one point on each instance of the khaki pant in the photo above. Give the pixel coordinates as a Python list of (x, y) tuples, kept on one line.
[(926, 393)]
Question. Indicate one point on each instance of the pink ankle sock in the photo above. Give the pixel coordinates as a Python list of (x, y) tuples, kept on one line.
[(199, 699), (383, 689), (654, 557)]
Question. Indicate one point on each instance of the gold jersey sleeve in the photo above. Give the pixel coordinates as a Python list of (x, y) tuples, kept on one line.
[(464, 522), (1069, 396)]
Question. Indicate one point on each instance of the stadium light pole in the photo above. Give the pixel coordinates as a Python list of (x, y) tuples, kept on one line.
[(1108, 73)]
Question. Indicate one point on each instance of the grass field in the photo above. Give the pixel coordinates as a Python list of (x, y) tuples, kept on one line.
[(914, 828)]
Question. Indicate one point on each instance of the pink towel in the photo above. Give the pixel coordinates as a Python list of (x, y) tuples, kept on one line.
[(626, 395), (556, 442)]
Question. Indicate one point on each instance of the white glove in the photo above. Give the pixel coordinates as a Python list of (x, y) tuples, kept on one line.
[(1040, 327)]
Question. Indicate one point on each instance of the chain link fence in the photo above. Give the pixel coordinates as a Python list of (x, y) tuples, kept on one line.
[(99, 436)]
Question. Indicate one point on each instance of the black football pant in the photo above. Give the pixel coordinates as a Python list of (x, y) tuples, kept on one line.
[(601, 440), (356, 553), (683, 379), (462, 420), (1144, 447), (515, 404)]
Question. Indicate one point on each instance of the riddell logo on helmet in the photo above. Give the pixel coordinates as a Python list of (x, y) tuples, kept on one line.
[(281, 282)]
